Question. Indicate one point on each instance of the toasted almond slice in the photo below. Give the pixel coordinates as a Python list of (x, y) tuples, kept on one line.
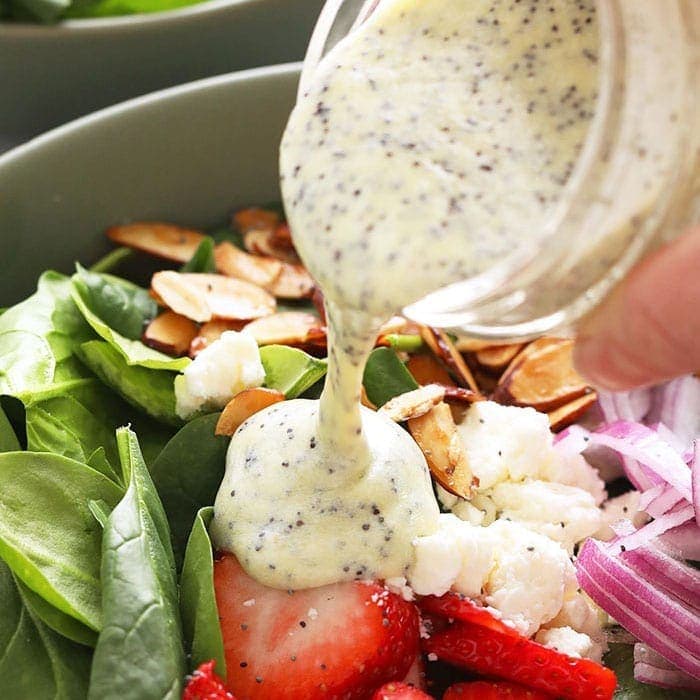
[(437, 436), (204, 297), (162, 240), (570, 412), (243, 405), (293, 282), (542, 376), (427, 369), (364, 399), (211, 331), (460, 395), (234, 262), (266, 242), (497, 357), (466, 344), (445, 350), (283, 328), (255, 218), (170, 333), (395, 324), (413, 404)]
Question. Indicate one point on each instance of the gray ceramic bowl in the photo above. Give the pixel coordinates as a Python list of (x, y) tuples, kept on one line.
[(187, 155), (52, 74)]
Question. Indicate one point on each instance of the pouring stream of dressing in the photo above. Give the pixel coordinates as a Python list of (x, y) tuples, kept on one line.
[(432, 142)]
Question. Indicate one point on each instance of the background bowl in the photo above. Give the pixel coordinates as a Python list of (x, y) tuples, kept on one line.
[(52, 74), (187, 155)]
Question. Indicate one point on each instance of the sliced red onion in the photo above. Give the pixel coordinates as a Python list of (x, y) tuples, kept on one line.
[(659, 500), (650, 667), (667, 435), (656, 618), (695, 479), (676, 577), (676, 404), (625, 405), (630, 540), (657, 460), (683, 541), (572, 441)]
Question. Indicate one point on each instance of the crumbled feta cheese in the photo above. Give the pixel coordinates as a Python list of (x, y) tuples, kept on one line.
[(581, 614), (565, 514), (506, 443), (399, 586), (624, 507), (468, 510), (574, 470), (222, 370), (567, 641), (530, 577)]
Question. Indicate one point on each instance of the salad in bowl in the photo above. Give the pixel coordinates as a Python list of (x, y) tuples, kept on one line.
[(122, 400)]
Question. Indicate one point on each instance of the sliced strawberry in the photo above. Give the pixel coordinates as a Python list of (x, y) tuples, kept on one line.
[(400, 691), (338, 641), (513, 657), (204, 684), (457, 607), (487, 690), (416, 674)]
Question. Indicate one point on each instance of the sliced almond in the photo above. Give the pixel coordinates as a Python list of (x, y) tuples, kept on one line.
[(317, 300), (461, 396), (234, 262), (293, 282), (427, 369), (255, 218), (497, 357), (542, 376), (203, 297), (466, 344), (569, 413), (170, 333), (413, 404), (272, 243), (364, 399), (162, 240), (243, 405), (395, 324), (284, 328), (444, 349), (437, 436), (211, 331)]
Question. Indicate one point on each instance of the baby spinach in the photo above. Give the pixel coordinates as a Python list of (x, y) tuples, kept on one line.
[(200, 614), (113, 259), (290, 370), (35, 661), (386, 376), (48, 536), (402, 342), (150, 390), (26, 362), (203, 258), (139, 653), (117, 311), (100, 511), (8, 438), (187, 474)]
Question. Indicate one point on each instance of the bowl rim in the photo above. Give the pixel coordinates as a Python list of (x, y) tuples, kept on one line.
[(101, 24), (113, 112)]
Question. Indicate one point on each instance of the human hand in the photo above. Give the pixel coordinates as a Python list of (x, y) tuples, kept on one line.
[(648, 330)]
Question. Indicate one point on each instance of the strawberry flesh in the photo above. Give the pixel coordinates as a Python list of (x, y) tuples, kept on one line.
[(487, 690), (204, 684), (400, 691), (338, 641)]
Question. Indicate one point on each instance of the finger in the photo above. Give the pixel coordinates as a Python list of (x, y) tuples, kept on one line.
[(648, 330)]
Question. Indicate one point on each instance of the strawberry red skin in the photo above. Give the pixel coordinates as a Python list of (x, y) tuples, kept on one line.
[(335, 642), (204, 684), (457, 607), (400, 691), (516, 658), (488, 690)]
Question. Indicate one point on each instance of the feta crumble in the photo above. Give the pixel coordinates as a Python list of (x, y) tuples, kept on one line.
[(223, 369)]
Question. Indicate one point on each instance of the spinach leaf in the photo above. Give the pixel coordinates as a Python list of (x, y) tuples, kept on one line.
[(149, 390), (8, 439), (227, 234), (200, 615), (56, 620), (109, 8), (203, 258), (620, 660), (386, 376), (290, 370), (113, 259), (139, 653), (48, 536), (187, 474), (404, 342), (117, 311), (35, 661), (100, 511), (38, 338)]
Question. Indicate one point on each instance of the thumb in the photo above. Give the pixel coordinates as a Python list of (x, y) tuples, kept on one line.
[(648, 330)]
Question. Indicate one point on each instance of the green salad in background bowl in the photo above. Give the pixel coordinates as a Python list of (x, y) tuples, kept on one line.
[(100, 522), (61, 59)]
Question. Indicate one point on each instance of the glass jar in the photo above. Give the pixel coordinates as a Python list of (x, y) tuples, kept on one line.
[(636, 183)]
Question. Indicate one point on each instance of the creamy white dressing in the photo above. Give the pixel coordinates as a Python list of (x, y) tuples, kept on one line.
[(433, 141)]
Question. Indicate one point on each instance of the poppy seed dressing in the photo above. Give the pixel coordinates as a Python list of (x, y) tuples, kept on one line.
[(434, 140)]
